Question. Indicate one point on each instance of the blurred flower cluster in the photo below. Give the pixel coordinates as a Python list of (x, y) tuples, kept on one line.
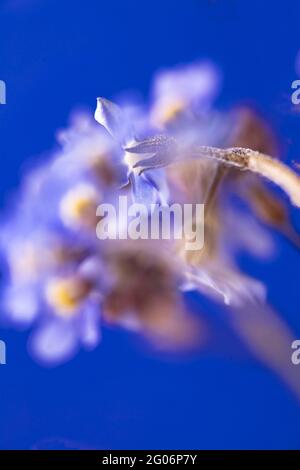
[(65, 283)]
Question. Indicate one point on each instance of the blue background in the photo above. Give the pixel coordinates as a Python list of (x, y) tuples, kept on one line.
[(56, 55)]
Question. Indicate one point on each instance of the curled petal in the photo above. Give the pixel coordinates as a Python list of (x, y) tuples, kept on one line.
[(161, 151), (153, 145), (111, 116), (156, 161)]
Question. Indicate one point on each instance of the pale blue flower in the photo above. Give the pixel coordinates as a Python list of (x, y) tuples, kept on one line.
[(148, 189)]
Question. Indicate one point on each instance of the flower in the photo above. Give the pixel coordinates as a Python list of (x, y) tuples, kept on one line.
[(183, 90), (145, 293), (65, 283), (71, 314), (53, 257), (149, 188)]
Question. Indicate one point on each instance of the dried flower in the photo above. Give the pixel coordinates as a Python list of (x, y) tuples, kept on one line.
[(65, 283)]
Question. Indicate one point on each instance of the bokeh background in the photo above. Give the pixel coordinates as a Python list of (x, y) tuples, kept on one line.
[(58, 55)]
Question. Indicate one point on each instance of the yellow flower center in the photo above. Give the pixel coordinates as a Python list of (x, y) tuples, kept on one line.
[(167, 111), (64, 295), (78, 206)]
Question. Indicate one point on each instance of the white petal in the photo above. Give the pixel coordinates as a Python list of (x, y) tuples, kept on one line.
[(110, 116), (54, 342)]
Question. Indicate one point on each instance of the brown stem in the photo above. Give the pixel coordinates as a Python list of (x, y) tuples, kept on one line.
[(210, 198)]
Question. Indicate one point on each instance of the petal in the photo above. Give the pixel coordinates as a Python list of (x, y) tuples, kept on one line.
[(111, 116), (89, 326), (194, 84), (161, 150), (158, 179), (54, 342), (143, 191), (153, 145), (21, 304), (156, 161)]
